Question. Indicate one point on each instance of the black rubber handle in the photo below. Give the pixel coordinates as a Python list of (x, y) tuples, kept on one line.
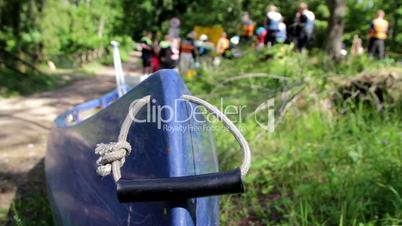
[(179, 188)]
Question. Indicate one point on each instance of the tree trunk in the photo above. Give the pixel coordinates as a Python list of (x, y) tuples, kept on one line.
[(395, 25), (333, 45), (17, 34), (101, 27)]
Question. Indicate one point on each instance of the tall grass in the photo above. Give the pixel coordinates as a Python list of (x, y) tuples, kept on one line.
[(315, 171), (319, 167)]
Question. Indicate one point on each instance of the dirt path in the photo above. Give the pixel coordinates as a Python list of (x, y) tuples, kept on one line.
[(25, 123)]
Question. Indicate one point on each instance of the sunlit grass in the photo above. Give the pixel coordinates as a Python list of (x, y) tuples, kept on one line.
[(319, 167)]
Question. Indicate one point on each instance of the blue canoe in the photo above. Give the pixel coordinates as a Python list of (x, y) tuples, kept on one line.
[(78, 196)]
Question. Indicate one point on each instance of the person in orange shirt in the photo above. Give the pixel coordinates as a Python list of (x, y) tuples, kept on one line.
[(247, 27), (378, 33), (222, 49)]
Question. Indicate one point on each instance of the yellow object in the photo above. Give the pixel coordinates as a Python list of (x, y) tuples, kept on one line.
[(191, 73), (213, 33), (380, 28)]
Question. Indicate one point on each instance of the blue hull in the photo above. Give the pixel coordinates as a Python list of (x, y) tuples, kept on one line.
[(79, 196)]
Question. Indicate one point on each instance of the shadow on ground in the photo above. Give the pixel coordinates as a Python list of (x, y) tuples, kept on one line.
[(30, 205)]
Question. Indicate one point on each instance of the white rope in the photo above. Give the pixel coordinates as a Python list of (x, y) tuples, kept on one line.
[(245, 166), (112, 155)]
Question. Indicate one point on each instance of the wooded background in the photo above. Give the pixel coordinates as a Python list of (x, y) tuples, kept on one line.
[(34, 31)]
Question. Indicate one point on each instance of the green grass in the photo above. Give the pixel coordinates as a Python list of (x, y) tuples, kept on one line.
[(12, 84), (3, 216), (319, 171), (30, 205), (33, 210), (319, 167)]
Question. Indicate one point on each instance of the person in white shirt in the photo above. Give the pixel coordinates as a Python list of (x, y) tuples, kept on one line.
[(304, 26), (272, 22)]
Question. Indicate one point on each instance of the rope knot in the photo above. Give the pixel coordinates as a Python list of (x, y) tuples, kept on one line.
[(110, 153)]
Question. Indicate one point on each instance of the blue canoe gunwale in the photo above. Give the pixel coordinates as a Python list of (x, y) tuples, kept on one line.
[(99, 103), (80, 197)]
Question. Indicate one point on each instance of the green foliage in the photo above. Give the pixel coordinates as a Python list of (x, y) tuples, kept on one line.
[(225, 13), (318, 171), (30, 205), (49, 30), (362, 12), (318, 167), (153, 17), (12, 84), (73, 28), (126, 45), (56, 29)]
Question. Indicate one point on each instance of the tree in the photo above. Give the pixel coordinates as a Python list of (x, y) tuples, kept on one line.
[(396, 14), (337, 9)]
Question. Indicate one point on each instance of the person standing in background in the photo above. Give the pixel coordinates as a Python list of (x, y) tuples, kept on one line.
[(187, 54), (357, 47), (282, 33), (273, 19), (304, 25), (377, 34), (204, 46), (223, 45), (155, 54), (174, 29), (169, 53), (205, 49), (247, 27), (222, 48), (146, 53)]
